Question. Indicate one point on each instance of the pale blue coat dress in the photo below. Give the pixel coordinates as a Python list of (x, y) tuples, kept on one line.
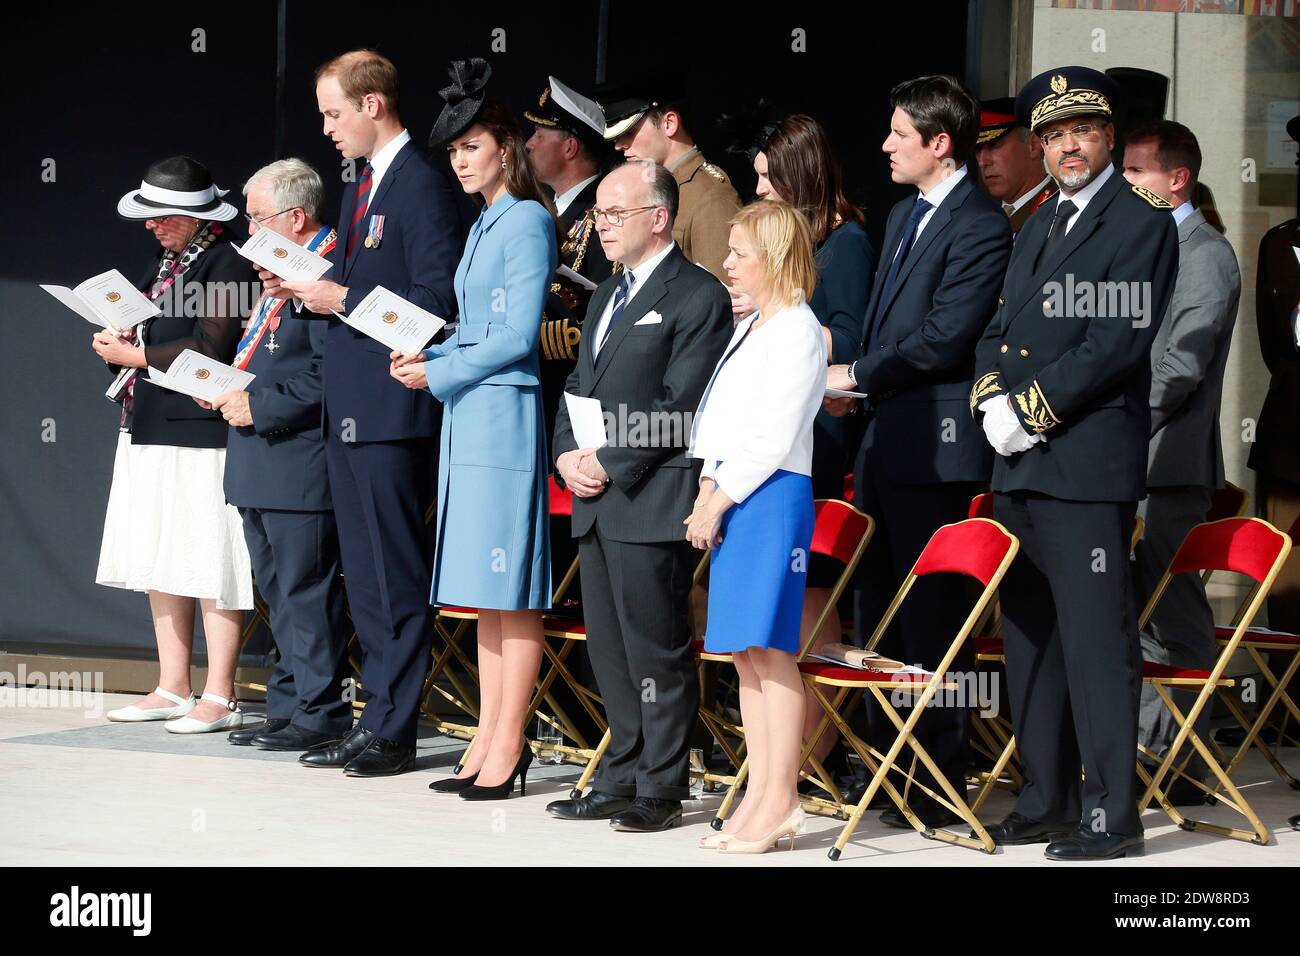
[(493, 547)]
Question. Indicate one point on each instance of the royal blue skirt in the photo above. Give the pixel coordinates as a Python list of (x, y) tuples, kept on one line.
[(759, 573)]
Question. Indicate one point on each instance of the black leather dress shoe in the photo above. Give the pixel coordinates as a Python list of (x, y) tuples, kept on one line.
[(382, 758), (338, 754), (293, 737), (1019, 830), (244, 735), (1294, 822), (1084, 844), (934, 817), (648, 815), (594, 806)]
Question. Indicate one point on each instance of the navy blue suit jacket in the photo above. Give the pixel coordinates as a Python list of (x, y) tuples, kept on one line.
[(416, 259), (919, 376), (279, 462)]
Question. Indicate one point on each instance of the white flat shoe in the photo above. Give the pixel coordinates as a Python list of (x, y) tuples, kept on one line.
[(188, 725), (133, 714)]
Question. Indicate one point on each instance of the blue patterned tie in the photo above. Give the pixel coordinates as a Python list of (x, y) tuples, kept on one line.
[(909, 236), (620, 300)]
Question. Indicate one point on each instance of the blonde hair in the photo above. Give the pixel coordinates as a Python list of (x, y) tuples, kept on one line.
[(783, 240)]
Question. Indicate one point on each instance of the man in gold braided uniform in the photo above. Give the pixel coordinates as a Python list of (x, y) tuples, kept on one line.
[(654, 127), (569, 153)]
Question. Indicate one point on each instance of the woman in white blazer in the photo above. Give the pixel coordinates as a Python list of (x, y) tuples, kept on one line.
[(754, 432)]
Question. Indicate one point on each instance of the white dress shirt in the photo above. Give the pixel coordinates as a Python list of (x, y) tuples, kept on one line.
[(1084, 195), (935, 198), (1182, 212), (756, 416), (1012, 208), (639, 276), (380, 162), (565, 199)]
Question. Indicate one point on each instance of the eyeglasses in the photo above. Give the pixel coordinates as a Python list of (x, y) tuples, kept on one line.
[(1084, 132), (616, 216), (251, 220)]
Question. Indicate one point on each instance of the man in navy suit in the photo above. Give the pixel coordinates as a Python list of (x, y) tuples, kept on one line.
[(275, 475), (922, 459), (399, 228)]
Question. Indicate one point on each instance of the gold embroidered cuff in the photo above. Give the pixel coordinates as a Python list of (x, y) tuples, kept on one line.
[(1034, 410), (984, 385)]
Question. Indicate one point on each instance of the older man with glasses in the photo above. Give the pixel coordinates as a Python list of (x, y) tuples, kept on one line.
[(654, 332), (275, 475)]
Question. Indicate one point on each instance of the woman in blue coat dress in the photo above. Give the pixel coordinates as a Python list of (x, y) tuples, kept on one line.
[(493, 549)]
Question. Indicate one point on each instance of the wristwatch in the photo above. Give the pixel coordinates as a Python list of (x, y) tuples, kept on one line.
[(852, 378), (343, 302)]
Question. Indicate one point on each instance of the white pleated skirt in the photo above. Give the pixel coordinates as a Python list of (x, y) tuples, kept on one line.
[(168, 527)]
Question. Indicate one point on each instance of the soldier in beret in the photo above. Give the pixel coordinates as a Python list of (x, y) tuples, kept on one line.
[(1063, 379), (651, 123), (1011, 162)]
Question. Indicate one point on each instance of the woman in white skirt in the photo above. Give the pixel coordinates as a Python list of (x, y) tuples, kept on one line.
[(754, 431), (168, 530)]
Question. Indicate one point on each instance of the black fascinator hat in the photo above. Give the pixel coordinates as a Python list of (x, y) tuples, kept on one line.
[(745, 131), (464, 98)]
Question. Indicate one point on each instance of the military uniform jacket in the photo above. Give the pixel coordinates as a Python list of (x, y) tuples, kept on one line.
[(1021, 215), (561, 333), (707, 204), (1070, 344)]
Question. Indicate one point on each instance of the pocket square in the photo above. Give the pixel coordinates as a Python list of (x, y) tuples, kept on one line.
[(651, 318)]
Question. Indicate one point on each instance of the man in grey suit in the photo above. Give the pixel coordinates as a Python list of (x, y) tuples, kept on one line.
[(653, 333), (1185, 458)]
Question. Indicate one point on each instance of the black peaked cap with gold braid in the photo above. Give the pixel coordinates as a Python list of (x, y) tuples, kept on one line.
[(1063, 92)]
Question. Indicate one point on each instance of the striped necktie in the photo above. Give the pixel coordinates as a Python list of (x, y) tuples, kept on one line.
[(363, 203)]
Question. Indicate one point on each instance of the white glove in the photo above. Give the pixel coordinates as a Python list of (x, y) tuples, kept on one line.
[(1003, 428)]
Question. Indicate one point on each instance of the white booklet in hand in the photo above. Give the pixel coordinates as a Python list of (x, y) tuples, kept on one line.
[(577, 278), (841, 393), (284, 258), (587, 421), (388, 318), (107, 300), (198, 376)]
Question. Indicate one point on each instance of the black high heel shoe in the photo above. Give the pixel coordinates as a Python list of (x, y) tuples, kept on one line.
[(453, 784), (504, 790)]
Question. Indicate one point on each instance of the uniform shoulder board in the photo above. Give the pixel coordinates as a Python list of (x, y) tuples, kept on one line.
[(1152, 198), (715, 172)]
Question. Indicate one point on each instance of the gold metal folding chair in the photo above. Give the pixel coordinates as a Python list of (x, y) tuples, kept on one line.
[(978, 548), (1251, 547)]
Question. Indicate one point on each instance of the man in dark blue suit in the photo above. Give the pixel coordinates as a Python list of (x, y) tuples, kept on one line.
[(399, 228), (275, 475), (922, 459)]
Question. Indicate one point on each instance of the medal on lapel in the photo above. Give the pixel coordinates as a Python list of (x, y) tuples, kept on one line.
[(375, 233)]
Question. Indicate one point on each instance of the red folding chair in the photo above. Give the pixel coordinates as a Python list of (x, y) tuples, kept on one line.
[(1247, 546), (978, 548)]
